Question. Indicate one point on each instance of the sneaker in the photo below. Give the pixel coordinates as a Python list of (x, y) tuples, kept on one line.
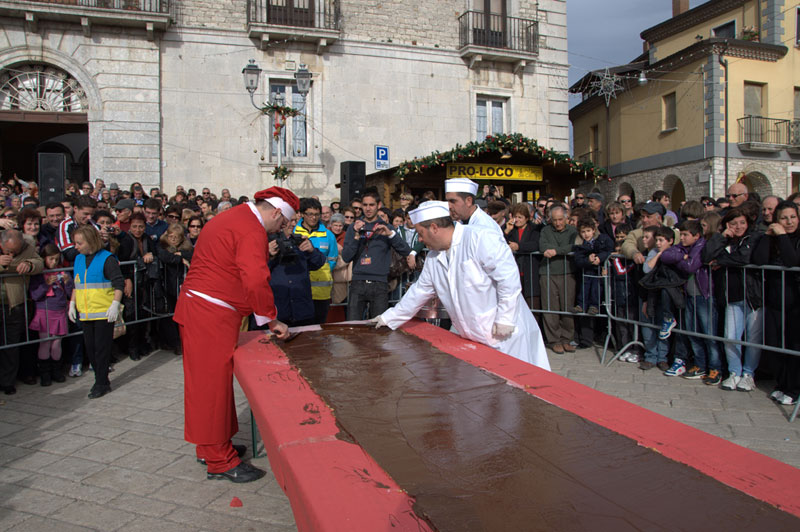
[(776, 396), (677, 369), (787, 400), (624, 356), (75, 370), (645, 365), (694, 373), (663, 366), (577, 309), (730, 383), (593, 311), (666, 328), (746, 383), (713, 378), (633, 358)]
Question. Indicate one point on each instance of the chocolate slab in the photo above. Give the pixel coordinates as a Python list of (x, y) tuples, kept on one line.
[(479, 454)]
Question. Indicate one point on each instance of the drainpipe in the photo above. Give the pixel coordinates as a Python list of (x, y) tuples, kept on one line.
[(724, 63)]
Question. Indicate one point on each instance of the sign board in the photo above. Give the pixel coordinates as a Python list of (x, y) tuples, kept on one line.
[(497, 172), (381, 157)]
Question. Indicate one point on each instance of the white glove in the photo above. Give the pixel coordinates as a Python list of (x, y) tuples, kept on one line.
[(502, 332), (378, 321), (113, 312), (73, 312)]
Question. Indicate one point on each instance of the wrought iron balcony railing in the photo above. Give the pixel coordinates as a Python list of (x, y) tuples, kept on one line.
[(320, 14), (590, 157), (145, 6), (476, 28), (758, 131)]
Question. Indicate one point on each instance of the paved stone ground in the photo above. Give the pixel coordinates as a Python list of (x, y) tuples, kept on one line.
[(120, 462)]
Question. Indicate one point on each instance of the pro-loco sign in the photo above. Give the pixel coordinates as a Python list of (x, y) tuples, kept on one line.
[(494, 171)]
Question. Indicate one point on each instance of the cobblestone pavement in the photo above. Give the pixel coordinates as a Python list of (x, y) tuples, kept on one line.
[(120, 462)]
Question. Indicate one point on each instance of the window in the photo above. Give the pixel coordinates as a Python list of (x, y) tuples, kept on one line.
[(669, 112), (754, 99), (725, 31), (797, 103), (295, 128), (594, 144), (489, 117), (489, 22)]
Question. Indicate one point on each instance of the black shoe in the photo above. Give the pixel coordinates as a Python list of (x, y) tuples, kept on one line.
[(240, 450), (45, 379), (9, 390), (30, 379), (241, 473), (57, 371), (99, 391), (136, 355)]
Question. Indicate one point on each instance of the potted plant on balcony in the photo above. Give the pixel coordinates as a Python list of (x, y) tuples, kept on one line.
[(749, 33)]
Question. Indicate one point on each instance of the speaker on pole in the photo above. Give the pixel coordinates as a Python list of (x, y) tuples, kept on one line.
[(52, 173), (353, 174)]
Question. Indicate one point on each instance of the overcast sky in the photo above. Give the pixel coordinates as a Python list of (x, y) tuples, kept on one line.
[(604, 33)]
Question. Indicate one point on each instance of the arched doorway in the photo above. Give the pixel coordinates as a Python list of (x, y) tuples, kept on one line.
[(42, 109), (673, 185), (756, 182)]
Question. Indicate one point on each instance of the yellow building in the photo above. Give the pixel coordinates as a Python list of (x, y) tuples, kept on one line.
[(714, 99)]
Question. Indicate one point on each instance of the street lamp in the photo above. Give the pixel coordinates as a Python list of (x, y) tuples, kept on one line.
[(252, 73)]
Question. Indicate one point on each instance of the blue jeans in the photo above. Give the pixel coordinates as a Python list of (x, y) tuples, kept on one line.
[(588, 295), (739, 319), (701, 316), (655, 349)]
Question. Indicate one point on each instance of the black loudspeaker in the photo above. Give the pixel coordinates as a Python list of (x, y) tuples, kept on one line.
[(353, 182), (52, 173)]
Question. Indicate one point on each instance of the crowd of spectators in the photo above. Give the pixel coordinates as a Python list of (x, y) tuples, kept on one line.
[(681, 268)]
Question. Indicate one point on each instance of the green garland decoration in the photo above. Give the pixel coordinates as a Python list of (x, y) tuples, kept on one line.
[(281, 172), (514, 142)]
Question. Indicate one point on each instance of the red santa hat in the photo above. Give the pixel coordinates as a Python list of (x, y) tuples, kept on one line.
[(280, 198)]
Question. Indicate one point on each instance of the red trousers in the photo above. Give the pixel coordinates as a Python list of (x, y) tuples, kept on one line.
[(209, 334)]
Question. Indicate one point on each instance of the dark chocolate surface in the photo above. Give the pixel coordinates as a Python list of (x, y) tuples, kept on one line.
[(479, 454)]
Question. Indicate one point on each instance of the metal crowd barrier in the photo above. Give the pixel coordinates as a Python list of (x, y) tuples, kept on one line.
[(142, 312)]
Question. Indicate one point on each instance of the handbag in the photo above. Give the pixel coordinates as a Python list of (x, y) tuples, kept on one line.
[(119, 326)]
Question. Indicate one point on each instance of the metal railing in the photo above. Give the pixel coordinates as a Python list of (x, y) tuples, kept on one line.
[(794, 133), (592, 156), (146, 6), (321, 14), (761, 130), (476, 28)]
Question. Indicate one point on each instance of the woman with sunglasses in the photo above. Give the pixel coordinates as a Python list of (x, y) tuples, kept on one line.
[(349, 217), (193, 227)]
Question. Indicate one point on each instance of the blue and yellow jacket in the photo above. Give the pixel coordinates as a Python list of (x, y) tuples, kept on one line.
[(325, 241), (93, 292)]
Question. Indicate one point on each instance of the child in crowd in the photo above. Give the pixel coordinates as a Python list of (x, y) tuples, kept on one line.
[(51, 293), (701, 314), (589, 258), (660, 284), (623, 294)]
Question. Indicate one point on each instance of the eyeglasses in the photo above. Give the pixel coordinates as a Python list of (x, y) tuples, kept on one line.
[(9, 215), (734, 196), (542, 205), (625, 201), (357, 208), (348, 217), (174, 216), (707, 204), (195, 226), (311, 214), (579, 197)]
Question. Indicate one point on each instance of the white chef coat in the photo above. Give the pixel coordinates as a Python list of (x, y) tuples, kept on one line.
[(480, 219), (479, 286)]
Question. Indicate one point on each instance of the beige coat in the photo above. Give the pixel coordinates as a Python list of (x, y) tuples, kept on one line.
[(15, 287)]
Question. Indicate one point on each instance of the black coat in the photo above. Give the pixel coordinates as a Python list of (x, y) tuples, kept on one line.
[(731, 254), (528, 264)]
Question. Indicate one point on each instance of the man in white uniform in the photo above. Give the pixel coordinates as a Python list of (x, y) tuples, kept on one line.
[(474, 275), (460, 195)]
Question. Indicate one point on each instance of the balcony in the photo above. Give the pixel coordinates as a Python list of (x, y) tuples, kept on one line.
[(794, 136), (314, 21), (590, 157), (757, 133), (489, 37), (151, 15)]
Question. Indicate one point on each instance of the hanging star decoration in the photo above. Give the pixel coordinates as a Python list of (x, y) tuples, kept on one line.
[(607, 86)]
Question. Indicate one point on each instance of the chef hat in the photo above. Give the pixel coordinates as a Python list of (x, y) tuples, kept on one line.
[(430, 210), (280, 198), (461, 184)]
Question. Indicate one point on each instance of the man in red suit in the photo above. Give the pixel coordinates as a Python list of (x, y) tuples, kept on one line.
[(228, 280)]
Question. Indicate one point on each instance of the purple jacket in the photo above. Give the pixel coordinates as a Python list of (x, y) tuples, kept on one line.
[(693, 265), (62, 292)]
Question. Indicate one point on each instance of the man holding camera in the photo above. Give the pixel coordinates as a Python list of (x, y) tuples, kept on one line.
[(368, 244)]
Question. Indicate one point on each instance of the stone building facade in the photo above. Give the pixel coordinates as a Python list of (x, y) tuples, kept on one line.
[(165, 103)]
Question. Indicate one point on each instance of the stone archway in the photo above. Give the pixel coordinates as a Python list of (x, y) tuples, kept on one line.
[(673, 185), (756, 182), (626, 189)]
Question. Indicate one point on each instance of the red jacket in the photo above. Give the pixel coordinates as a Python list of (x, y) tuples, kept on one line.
[(230, 263)]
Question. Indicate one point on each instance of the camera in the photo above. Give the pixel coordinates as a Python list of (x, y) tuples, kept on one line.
[(297, 239)]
